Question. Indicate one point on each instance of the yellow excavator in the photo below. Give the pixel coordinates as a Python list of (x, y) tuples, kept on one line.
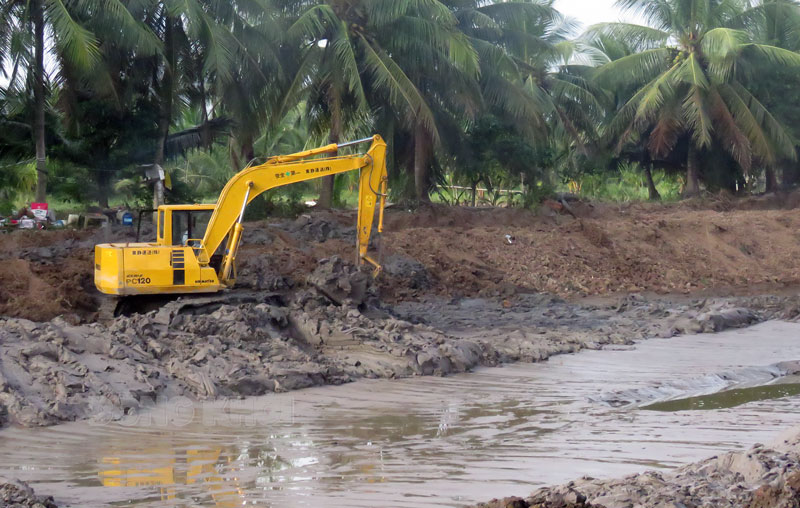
[(196, 245)]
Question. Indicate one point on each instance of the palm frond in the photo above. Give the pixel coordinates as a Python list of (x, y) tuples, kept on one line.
[(635, 69), (637, 37), (401, 91), (748, 123), (696, 116), (691, 72), (668, 126), (777, 133), (73, 40), (734, 140)]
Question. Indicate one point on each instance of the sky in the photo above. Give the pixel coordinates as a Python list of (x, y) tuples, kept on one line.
[(589, 12)]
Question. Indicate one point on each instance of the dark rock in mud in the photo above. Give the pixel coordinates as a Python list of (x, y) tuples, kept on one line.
[(411, 271), (17, 494), (571, 499), (717, 321), (343, 283), (260, 274), (783, 494), (319, 227), (257, 236)]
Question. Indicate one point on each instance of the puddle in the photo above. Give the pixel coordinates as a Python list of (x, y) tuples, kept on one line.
[(727, 398), (422, 442)]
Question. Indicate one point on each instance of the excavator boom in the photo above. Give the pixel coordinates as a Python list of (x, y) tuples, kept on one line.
[(182, 262)]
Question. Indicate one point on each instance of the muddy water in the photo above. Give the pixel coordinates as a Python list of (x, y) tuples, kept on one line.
[(424, 441)]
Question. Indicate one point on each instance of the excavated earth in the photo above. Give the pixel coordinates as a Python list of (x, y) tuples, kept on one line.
[(456, 293)]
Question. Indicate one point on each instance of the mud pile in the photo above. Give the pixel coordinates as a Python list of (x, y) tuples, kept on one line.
[(763, 477), (17, 494), (535, 327), (457, 252), (45, 274), (660, 250), (58, 371)]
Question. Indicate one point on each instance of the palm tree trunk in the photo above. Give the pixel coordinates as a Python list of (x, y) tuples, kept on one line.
[(790, 175), (236, 164), (39, 100), (772, 179), (248, 150), (103, 188), (692, 174), (165, 117), (328, 182), (421, 163), (652, 192)]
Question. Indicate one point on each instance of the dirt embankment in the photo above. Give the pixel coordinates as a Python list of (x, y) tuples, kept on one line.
[(655, 250), (762, 477), (460, 252)]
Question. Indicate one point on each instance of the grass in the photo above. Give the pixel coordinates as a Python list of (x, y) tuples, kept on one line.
[(628, 185)]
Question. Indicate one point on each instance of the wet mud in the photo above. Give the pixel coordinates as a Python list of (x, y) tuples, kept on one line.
[(334, 332), (762, 477), (17, 494)]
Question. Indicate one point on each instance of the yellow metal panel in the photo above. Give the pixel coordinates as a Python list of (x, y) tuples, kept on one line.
[(108, 269), (149, 268)]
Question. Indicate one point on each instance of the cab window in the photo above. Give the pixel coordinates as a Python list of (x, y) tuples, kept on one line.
[(189, 225)]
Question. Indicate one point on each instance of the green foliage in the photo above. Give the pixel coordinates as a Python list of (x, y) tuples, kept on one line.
[(628, 184), (468, 93), (688, 73), (17, 180), (535, 194)]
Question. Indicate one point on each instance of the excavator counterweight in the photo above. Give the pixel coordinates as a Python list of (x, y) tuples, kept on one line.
[(196, 245)]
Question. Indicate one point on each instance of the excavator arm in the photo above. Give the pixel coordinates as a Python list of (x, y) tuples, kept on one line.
[(226, 221)]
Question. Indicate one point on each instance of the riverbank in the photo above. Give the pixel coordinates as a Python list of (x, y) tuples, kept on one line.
[(443, 306), (761, 477), (334, 333), (456, 294), (452, 252)]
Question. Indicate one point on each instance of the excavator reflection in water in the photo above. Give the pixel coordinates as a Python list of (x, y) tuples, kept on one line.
[(198, 466), (217, 469)]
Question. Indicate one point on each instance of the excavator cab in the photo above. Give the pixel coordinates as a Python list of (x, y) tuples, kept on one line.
[(196, 245), (168, 265), (183, 225)]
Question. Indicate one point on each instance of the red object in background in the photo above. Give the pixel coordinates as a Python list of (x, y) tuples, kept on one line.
[(39, 210)]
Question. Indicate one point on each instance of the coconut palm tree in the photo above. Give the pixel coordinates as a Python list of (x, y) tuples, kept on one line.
[(353, 58), (531, 74), (691, 74), (70, 40), (777, 23)]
